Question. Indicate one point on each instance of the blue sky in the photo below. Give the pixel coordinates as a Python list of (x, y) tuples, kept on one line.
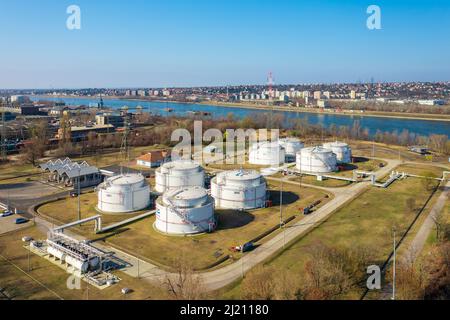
[(158, 43)]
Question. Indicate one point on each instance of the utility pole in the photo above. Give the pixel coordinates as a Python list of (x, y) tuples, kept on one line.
[(138, 273), (394, 267), (29, 262), (78, 194), (281, 201), (3, 134)]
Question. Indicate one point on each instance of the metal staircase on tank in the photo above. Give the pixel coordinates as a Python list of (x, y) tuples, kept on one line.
[(180, 214), (321, 160)]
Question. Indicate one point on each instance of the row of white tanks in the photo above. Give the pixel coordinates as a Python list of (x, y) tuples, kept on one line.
[(185, 207), (318, 159), (323, 159)]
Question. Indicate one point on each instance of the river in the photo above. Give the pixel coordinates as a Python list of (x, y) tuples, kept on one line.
[(415, 126)]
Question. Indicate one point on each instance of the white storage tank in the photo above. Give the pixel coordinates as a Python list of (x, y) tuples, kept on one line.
[(179, 173), (123, 194), (342, 150), (239, 189), (316, 160), (183, 211), (267, 153), (291, 147)]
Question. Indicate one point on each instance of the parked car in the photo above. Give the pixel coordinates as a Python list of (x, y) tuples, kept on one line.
[(6, 213), (21, 220), (74, 194)]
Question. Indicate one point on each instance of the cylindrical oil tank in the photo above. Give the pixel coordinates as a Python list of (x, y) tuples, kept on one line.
[(267, 153), (179, 173), (342, 150), (56, 253), (123, 194), (78, 264), (316, 160), (239, 189), (187, 210), (291, 147)]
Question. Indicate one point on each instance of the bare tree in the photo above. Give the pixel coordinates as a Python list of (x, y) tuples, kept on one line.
[(184, 283), (259, 284)]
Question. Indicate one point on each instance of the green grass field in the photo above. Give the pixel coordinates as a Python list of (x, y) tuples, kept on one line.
[(366, 221)]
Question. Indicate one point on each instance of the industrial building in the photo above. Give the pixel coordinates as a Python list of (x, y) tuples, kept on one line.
[(316, 160), (81, 133), (123, 194), (239, 189), (71, 173), (80, 257), (179, 173), (267, 153), (184, 211), (291, 147), (116, 120), (342, 151)]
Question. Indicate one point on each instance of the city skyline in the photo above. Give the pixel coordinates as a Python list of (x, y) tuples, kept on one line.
[(140, 44)]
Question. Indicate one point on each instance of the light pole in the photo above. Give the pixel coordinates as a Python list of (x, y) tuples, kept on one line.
[(394, 267)]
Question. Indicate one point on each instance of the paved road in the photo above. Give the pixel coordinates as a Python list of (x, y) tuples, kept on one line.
[(421, 237)]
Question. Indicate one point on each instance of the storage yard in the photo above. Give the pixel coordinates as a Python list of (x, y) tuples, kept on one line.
[(241, 205)]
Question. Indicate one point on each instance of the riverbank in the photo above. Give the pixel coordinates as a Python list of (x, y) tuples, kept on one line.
[(393, 115), (346, 113)]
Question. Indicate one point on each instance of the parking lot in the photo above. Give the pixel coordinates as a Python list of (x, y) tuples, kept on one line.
[(24, 190), (7, 224)]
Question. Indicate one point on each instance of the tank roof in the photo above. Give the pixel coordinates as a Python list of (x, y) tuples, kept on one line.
[(241, 174), (316, 149), (335, 144), (186, 193), (125, 179), (181, 165)]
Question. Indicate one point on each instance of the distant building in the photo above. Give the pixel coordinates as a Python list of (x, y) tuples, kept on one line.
[(431, 102), (152, 159), (353, 94), (26, 110), (327, 94), (317, 95), (284, 98), (108, 118), (81, 133), (8, 116), (323, 103), (18, 99)]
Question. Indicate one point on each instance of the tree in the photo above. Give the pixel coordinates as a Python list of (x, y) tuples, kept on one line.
[(258, 284), (184, 283), (36, 146), (428, 182)]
